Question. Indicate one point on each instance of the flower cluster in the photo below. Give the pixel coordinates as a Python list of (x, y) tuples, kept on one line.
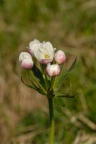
[(43, 79), (45, 54)]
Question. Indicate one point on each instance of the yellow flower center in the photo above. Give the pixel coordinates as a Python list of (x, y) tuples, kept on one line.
[(47, 56)]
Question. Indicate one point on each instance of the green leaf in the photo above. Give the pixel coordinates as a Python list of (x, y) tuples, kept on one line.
[(37, 73), (33, 86), (58, 108), (59, 103), (60, 79), (40, 91), (27, 84), (68, 95), (73, 65), (34, 80)]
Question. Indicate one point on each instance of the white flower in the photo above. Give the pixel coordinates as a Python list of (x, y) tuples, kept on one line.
[(33, 45), (53, 70), (60, 57), (44, 53), (26, 60)]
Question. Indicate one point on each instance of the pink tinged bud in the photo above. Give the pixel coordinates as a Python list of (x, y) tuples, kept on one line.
[(60, 57), (26, 60), (53, 70), (27, 63)]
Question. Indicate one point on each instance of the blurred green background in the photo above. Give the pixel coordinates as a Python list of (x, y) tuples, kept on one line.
[(69, 25)]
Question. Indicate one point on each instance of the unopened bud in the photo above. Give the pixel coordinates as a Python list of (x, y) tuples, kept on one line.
[(53, 70), (60, 57), (26, 60), (27, 63)]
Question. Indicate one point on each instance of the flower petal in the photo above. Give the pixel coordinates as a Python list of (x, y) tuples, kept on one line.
[(24, 55)]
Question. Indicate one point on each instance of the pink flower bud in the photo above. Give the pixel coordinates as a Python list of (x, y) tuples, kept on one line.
[(60, 57), (26, 60), (27, 63), (53, 70)]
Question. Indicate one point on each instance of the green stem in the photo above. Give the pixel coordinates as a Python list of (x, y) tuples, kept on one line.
[(44, 74), (51, 115), (36, 80)]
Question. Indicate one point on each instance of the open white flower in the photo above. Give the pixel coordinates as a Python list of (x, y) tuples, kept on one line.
[(44, 53), (26, 60), (33, 45), (53, 70)]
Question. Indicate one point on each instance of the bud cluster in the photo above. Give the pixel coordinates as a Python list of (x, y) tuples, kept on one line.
[(45, 54)]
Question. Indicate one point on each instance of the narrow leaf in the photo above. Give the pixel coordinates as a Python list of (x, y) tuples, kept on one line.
[(35, 80), (38, 74), (58, 109), (73, 64), (68, 95), (59, 103), (26, 84), (33, 87), (60, 79)]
